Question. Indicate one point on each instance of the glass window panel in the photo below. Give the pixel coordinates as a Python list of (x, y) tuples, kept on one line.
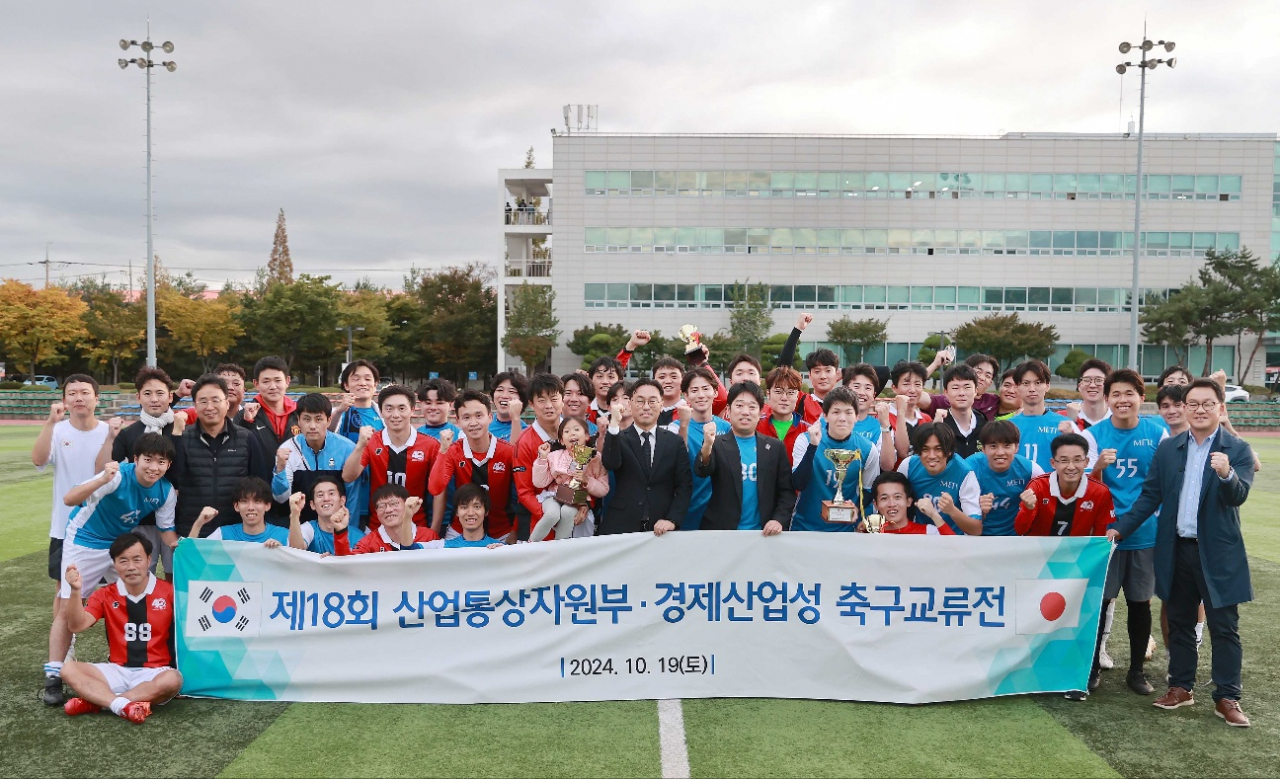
[(1038, 296), (642, 236), (1158, 184), (1207, 184), (1183, 183), (969, 296), (828, 237), (897, 352), (687, 181), (687, 292), (1016, 239), (642, 292), (945, 239), (1156, 240), (971, 239), (1017, 182), (1130, 185), (1109, 296), (780, 293), (922, 238), (806, 179), (806, 293), (1229, 184), (735, 180), (619, 179), (993, 296), (735, 236), (851, 293), (877, 181), (713, 292), (900, 182), (1041, 182), (708, 236), (1015, 296), (1064, 239), (759, 180), (826, 293), (594, 236), (664, 291), (1064, 182), (945, 295), (876, 238), (780, 237), (899, 294), (1203, 241), (1126, 238), (1179, 240), (1228, 242), (758, 236), (1087, 239), (619, 291), (993, 239), (970, 182), (873, 294), (805, 237), (641, 179), (852, 237), (994, 182), (922, 294), (947, 181), (1062, 296), (1112, 182), (713, 181), (593, 291), (665, 237), (922, 181), (1088, 182), (853, 179), (829, 180), (1041, 239), (1086, 296), (618, 236), (900, 238), (1109, 239), (595, 179), (664, 179), (783, 179)]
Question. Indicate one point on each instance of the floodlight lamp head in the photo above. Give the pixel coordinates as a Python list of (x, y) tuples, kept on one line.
[(1125, 47), (123, 63), (1169, 45), (124, 44), (167, 46), (141, 63), (170, 66), (147, 46), (1171, 62), (1121, 68), (1147, 45)]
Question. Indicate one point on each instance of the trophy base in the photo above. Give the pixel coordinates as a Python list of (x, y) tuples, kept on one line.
[(841, 513)]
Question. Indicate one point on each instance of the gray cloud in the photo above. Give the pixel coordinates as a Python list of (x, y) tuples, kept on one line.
[(379, 127)]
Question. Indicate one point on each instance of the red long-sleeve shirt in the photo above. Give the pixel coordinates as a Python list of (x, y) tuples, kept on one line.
[(1088, 512)]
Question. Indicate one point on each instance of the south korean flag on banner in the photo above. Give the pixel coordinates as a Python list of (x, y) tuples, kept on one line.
[(222, 609)]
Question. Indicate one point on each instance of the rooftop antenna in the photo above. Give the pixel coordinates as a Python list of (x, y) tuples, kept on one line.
[(581, 117)]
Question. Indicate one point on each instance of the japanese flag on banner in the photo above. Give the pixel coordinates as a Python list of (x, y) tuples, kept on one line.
[(1045, 605), (219, 609)]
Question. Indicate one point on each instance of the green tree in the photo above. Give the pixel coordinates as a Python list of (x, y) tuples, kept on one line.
[(404, 338), (458, 329), (1170, 322), (1255, 291), (531, 324), (752, 316), (365, 311), (659, 346), (274, 321), (856, 338), (116, 327), (723, 347), (929, 349), (1007, 338), (203, 327), (280, 265), (771, 352), (1070, 367), (37, 324), (598, 340)]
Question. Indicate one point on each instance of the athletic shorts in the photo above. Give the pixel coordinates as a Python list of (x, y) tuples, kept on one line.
[(1134, 570), (55, 559), (160, 551), (122, 678), (94, 565)]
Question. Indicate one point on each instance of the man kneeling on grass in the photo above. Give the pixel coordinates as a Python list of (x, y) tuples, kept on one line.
[(893, 497), (252, 501), (397, 531), (472, 507), (138, 609)]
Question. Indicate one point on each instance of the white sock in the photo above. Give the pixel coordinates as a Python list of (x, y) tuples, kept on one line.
[(53, 668), (1199, 631), (117, 706)]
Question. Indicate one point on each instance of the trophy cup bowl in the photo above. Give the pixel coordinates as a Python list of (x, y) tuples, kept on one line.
[(873, 523), (839, 509), (691, 337), (575, 491)]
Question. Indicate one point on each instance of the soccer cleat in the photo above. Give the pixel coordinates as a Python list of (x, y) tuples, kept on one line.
[(137, 712), (1104, 660), (1076, 695), (1137, 681), (53, 694), (77, 706), (1151, 647)]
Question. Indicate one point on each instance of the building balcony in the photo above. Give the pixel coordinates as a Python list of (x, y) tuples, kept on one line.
[(529, 269), (527, 216)]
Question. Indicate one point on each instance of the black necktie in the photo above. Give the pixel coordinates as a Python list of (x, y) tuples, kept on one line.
[(646, 452)]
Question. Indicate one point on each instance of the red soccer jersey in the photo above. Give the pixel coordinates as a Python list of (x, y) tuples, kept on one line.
[(917, 529), (1087, 513), (526, 453), (377, 541), (410, 468), (459, 465), (139, 632)]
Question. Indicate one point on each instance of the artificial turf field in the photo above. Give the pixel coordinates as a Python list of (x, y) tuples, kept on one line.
[(1114, 733)]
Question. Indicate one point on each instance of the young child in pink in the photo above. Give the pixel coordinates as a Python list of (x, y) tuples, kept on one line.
[(555, 468)]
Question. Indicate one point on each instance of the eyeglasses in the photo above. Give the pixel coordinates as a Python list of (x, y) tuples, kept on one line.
[(785, 393), (1208, 405), (1072, 461), (1094, 381), (646, 401)]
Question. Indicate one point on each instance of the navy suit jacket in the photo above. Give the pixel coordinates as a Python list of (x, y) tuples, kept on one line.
[(1222, 555), (642, 493)]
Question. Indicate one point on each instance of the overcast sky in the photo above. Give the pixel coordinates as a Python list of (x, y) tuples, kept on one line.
[(379, 126)]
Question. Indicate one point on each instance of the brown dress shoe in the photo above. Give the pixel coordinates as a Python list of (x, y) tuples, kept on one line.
[(1229, 710), (1175, 698)]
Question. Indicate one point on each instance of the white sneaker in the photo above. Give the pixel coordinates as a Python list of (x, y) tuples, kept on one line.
[(1151, 647), (1199, 634), (1104, 660)]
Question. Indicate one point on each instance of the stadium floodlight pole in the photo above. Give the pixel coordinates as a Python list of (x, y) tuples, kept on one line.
[(145, 63), (1144, 65), (349, 330)]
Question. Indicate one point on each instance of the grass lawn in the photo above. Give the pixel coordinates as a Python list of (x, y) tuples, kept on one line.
[(1115, 733)]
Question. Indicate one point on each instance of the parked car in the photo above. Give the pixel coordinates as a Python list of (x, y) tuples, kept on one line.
[(1236, 393), (42, 381)]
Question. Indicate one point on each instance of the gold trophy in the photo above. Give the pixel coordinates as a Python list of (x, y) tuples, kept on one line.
[(575, 492), (873, 523), (692, 344), (841, 510)]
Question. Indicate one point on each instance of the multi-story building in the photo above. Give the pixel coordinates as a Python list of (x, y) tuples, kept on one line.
[(925, 232)]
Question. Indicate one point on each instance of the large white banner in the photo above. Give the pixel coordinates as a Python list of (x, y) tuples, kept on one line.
[(906, 619)]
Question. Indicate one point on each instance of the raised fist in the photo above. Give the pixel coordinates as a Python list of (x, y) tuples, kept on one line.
[(73, 577), (249, 411), (515, 408), (709, 431), (340, 519), (345, 401), (1028, 498), (111, 469), (1221, 464), (1106, 457), (207, 513), (57, 410), (900, 403), (366, 433), (1065, 427), (184, 388), (945, 502), (179, 424), (412, 504), (640, 338), (815, 435), (296, 501), (544, 450), (882, 412), (940, 415), (113, 426), (684, 413), (803, 321), (282, 457), (986, 503), (446, 438)]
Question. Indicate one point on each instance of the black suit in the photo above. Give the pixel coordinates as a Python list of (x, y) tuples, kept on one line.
[(644, 493), (773, 483)]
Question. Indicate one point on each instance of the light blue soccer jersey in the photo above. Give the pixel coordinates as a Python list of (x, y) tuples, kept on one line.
[(750, 495), (117, 506), (1036, 434), (321, 541), (1135, 450), (819, 482), (237, 533), (701, 495), (956, 479), (458, 542), (1005, 488)]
